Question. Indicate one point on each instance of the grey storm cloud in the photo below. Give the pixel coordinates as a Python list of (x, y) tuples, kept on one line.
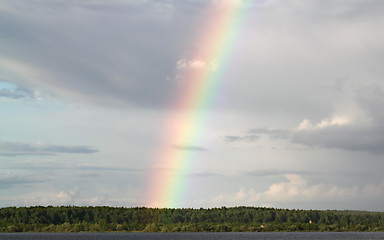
[(122, 52), (274, 133), (273, 172), (351, 138), (246, 138), (118, 52), (20, 149), (339, 137), (362, 131), (370, 98), (9, 181), (17, 93), (254, 134), (190, 148), (365, 134)]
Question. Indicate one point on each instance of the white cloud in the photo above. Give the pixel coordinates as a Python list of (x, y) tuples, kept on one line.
[(241, 195), (188, 67), (328, 122), (194, 64), (64, 197), (74, 196), (297, 189), (218, 200), (43, 198)]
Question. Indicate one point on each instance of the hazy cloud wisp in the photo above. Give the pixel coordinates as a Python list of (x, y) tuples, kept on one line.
[(20, 149)]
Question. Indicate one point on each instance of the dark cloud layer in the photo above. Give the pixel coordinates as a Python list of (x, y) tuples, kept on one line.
[(119, 52), (17, 93), (246, 138), (272, 132), (21, 149), (356, 126), (272, 172), (11, 181), (351, 138)]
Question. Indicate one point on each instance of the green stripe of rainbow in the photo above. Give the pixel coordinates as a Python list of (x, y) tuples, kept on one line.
[(185, 125)]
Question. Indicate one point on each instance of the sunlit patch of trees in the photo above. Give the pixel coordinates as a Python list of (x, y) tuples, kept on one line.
[(234, 219)]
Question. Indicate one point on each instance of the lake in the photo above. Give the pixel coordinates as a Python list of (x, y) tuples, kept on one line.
[(193, 236)]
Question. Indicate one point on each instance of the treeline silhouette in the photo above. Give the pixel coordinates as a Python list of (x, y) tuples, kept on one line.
[(234, 219)]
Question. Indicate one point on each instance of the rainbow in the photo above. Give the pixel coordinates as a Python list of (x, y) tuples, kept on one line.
[(199, 77)]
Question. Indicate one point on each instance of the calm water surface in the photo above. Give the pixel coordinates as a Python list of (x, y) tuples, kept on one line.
[(189, 236)]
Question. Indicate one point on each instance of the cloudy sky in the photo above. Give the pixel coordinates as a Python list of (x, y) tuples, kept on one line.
[(297, 120)]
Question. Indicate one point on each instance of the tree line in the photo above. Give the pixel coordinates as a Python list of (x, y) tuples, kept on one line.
[(142, 219)]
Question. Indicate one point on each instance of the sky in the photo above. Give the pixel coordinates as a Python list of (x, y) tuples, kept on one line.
[(295, 120)]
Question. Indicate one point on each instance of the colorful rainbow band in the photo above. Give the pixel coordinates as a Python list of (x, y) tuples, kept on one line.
[(200, 78)]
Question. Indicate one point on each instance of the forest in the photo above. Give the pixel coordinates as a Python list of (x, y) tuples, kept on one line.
[(142, 219)]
